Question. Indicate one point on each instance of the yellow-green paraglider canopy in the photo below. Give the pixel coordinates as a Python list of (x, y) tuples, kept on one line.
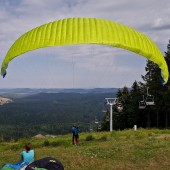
[(87, 31)]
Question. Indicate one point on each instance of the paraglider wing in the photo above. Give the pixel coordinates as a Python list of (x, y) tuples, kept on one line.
[(87, 31)]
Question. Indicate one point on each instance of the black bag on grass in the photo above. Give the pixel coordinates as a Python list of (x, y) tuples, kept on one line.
[(46, 163)]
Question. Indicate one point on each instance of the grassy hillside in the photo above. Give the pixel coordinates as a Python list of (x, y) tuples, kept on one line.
[(123, 150)]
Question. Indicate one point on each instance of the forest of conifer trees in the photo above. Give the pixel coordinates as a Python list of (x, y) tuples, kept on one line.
[(157, 115)]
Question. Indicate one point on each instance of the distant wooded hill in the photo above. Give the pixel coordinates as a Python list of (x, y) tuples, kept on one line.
[(51, 113)]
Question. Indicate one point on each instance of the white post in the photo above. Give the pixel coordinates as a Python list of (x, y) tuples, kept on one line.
[(111, 102), (135, 127), (111, 124)]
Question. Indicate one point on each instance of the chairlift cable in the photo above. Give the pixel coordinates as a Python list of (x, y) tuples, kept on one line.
[(73, 70)]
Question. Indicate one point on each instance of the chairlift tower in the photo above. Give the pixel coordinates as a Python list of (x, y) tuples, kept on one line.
[(111, 102)]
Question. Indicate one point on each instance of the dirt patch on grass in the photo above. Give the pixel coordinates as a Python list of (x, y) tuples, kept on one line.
[(163, 136)]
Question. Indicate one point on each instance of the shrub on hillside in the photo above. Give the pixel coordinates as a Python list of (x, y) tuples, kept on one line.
[(103, 138), (16, 147), (56, 143), (90, 138), (46, 143)]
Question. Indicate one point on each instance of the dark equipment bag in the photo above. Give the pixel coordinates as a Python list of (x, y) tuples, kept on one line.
[(46, 163)]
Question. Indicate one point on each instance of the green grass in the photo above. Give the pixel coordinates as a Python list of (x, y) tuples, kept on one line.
[(124, 150)]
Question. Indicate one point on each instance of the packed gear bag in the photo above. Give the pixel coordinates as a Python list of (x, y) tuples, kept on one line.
[(46, 163)]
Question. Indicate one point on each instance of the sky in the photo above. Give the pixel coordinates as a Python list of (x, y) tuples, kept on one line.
[(79, 66)]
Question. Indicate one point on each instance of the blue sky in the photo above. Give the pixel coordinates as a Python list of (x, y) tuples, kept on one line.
[(79, 66)]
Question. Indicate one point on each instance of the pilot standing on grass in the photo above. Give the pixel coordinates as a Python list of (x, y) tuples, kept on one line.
[(73, 132), (76, 133)]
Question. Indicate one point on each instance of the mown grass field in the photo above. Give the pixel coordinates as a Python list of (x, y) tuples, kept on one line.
[(119, 150)]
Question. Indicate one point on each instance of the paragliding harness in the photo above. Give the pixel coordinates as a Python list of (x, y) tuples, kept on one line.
[(16, 166), (46, 163)]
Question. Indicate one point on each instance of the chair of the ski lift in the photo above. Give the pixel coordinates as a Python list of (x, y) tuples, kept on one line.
[(119, 107), (96, 121), (99, 126), (90, 128), (150, 100), (104, 111), (107, 118), (142, 105), (116, 100)]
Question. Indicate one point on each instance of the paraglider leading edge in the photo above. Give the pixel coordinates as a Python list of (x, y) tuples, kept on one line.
[(71, 31)]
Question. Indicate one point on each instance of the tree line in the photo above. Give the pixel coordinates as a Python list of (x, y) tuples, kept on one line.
[(157, 115)]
